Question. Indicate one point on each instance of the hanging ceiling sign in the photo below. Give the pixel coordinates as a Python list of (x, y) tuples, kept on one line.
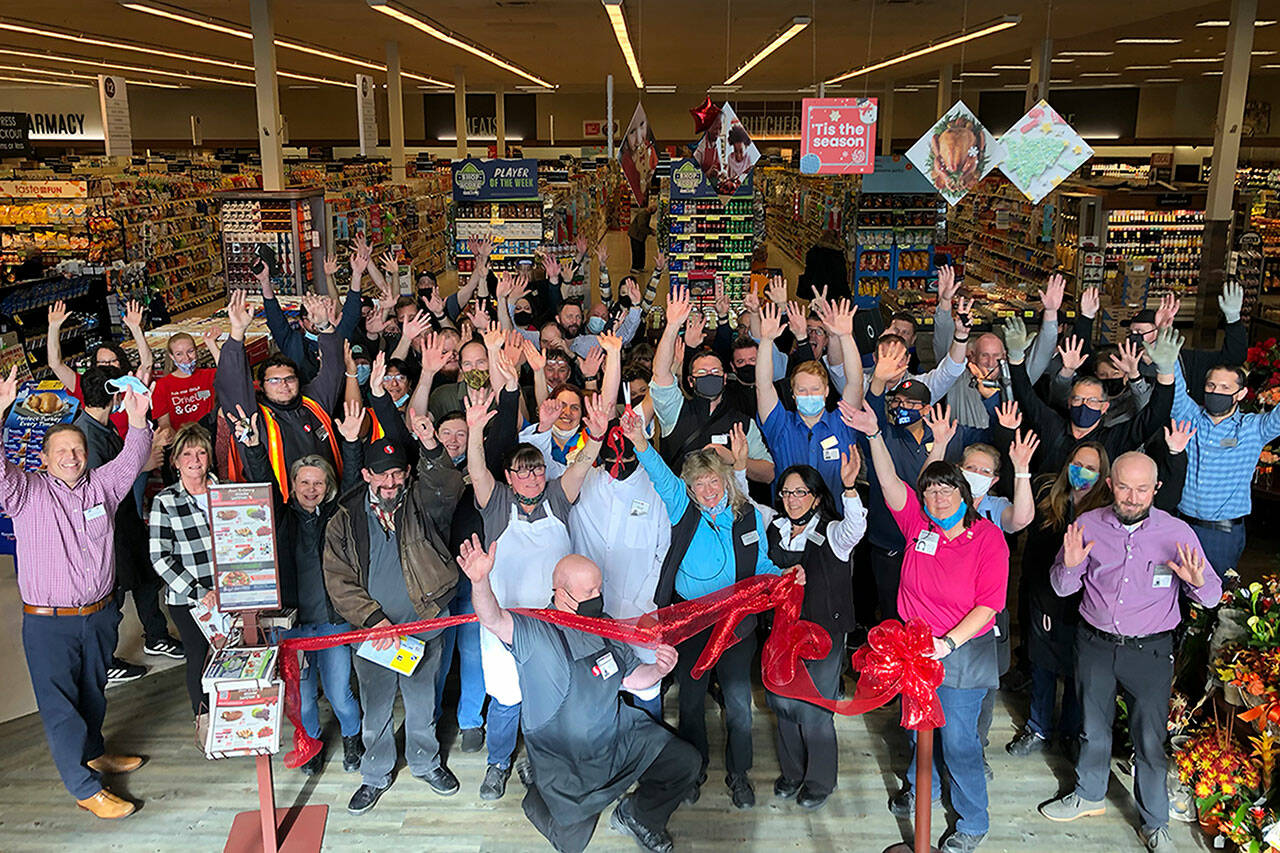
[(485, 180), (838, 136)]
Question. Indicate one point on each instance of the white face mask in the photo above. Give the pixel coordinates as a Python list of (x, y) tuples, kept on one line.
[(979, 484), (563, 434)]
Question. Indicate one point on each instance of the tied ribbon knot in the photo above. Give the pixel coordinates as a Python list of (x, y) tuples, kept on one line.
[(894, 660)]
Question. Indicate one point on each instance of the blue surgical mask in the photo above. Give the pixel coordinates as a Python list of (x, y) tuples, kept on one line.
[(951, 520), (905, 417), (185, 366), (810, 404), (595, 325), (362, 373), (1081, 477), (128, 382), (403, 398)]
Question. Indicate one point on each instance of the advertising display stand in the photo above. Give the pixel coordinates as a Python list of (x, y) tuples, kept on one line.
[(284, 229), (498, 200), (246, 699)]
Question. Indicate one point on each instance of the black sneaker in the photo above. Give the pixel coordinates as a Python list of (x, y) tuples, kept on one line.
[(696, 790), (166, 646), (960, 842), (472, 740), (903, 803), (121, 671), (495, 782), (806, 799), (314, 766), (442, 781), (623, 820), (744, 796), (1026, 743), (352, 752), (365, 798), (525, 771), (785, 788)]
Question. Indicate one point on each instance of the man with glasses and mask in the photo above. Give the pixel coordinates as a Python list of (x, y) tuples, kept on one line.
[(295, 419), (1221, 457), (387, 562)]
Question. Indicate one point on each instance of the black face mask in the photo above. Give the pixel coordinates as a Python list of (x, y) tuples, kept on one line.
[(806, 516), (523, 318), (593, 607), (1217, 404), (709, 386), (1114, 387), (1137, 339), (1083, 416), (620, 468), (746, 374)]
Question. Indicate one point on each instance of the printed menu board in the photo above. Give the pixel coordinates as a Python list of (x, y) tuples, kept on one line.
[(242, 519), (244, 722)]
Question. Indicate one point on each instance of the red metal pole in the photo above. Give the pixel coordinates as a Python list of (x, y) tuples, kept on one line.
[(924, 784), (266, 788)]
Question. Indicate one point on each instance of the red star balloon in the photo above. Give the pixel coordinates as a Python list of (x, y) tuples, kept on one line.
[(704, 115)]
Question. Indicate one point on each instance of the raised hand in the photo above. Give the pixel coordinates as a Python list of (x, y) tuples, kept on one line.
[(581, 245), (1051, 297), (1008, 415), (352, 420), (596, 416), (695, 329), (738, 447), (568, 271), (602, 253), (494, 337), (435, 303), (244, 427), (947, 285), (770, 322), (1016, 338), (263, 277), (1072, 353), (678, 306), (1164, 351), (1090, 301), (1022, 449), (593, 362), (850, 465), (210, 338), (819, 296), (475, 561), (963, 315), (136, 407), (863, 419), (1169, 307), (9, 389), (938, 420), (632, 288), (548, 413), (633, 427), (533, 355), (891, 360), (330, 265), (478, 411), (659, 261), (1074, 549), (238, 313), (797, 321), (1178, 435), (359, 260), (611, 344), (1231, 301), (423, 428), (133, 314), (378, 373), (776, 290), (390, 265), (506, 284), (57, 314), (1126, 360), (839, 317), (1190, 566), (721, 301), (751, 301)]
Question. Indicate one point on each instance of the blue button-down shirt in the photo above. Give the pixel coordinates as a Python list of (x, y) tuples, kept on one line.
[(1221, 457), (793, 442)]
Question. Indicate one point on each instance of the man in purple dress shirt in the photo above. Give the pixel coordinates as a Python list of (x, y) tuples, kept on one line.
[(1132, 561), (64, 523)]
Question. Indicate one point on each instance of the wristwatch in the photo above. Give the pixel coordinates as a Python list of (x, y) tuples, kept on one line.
[(951, 644)]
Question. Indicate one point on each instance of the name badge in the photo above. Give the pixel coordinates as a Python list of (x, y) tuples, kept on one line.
[(817, 538), (750, 537), (94, 512), (830, 453), (605, 666), (829, 442), (1228, 442), (723, 438), (1162, 576), (639, 507), (927, 542)]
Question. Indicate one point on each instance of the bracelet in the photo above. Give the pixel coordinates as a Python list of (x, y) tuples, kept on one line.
[(351, 375), (875, 434), (847, 487), (591, 437), (1026, 475), (960, 340)]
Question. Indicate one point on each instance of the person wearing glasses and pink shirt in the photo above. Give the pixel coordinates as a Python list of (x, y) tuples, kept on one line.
[(528, 517), (955, 575)]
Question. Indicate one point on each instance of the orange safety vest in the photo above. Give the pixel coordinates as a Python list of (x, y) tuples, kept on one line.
[(275, 445), (375, 427)]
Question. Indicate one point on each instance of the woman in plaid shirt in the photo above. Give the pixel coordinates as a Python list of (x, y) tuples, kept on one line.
[(182, 549)]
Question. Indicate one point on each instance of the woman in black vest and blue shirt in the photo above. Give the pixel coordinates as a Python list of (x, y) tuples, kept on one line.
[(717, 539), (810, 532)]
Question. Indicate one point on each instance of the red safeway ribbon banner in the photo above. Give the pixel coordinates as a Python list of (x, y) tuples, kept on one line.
[(895, 659)]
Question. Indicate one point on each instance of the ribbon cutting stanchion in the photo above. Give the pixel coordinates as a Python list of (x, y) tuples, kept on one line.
[(893, 662)]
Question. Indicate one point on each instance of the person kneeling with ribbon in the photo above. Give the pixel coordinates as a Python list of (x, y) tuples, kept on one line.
[(586, 746)]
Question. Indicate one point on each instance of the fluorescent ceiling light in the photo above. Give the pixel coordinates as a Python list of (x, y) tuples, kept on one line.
[(789, 30), (402, 13), (979, 73), (1026, 67), (985, 29), (1164, 80), (1086, 53), (1189, 59), (1148, 40), (98, 63), (613, 8), (1222, 23), (723, 88), (43, 82), (1146, 67), (1262, 53), (531, 88), (16, 26), (1100, 74), (1068, 80), (1062, 59), (664, 89), (1211, 74), (293, 75)]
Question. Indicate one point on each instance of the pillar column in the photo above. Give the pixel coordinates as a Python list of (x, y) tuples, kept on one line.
[(460, 108), (608, 118), (267, 94), (885, 123), (395, 110), (945, 73), (1041, 71), (500, 118)]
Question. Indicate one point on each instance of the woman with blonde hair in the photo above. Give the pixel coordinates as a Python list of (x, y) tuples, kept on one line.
[(717, 539)]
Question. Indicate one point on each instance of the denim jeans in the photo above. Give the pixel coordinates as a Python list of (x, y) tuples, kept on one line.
[(961, 754), (333, 668), (1044, 697), (501, 728), (1223, 549), (470, 675)]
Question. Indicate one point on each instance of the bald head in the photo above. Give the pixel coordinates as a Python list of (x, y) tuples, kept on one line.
[(1134, 480), (985, 352), (575, 578)]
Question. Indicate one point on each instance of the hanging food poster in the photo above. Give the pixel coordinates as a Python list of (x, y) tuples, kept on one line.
[(244, 722), (956, 153), (1041, 150), (638, 155), (242, 520), (726, 153), (838, 136)]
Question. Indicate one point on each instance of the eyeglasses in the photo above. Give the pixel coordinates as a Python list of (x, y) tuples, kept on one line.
[(397, 377), (527, 473), (794, 493), (712, 371), (281, 380), (940, 490), (1076, 399)]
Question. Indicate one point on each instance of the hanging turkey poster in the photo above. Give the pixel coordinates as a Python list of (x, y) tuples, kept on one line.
[(638, 155), (956, 153), (726, 153), (1041, 150), (838, 136)]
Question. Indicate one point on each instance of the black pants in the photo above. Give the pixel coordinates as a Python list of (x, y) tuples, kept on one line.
[(733, 671), (806, 734), (67, 657), (886, 567), (638, 253), (658, 793), (1145, 671), (146, 600), (196, 648)]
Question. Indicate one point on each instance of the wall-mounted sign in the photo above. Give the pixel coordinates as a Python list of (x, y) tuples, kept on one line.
[(44, 189), (366, 114), (113, 98), (594, 128), (485, 180), (15, 135), (482, 118)]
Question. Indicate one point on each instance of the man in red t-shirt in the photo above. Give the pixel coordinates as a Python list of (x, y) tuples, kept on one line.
[(185, 393)]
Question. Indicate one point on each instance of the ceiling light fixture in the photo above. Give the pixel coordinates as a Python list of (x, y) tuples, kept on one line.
[(1148, 40), (98, 63), (613, 8), (402, 13), (979, 73), (1197, 59), (1086, 53), (91, 79), (43, 82), (664, 89), (1026, 67), (1146, 67), (1222, 23), (16, 26), (1100, 74), (995, 25), (1061, 59), (723, 88), (1164, 80), (789, 30)]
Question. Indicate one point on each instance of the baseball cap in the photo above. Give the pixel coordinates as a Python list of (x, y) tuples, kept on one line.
[(913, 389), (383, 455), (1146, 315), (360, 351)]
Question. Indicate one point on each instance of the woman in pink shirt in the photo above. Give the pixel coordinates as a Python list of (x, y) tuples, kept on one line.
[(955, 573)]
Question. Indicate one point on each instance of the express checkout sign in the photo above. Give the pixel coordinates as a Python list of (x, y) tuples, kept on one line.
[(838, 136)]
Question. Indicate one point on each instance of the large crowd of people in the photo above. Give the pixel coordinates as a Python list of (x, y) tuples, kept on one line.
[(524, 443)]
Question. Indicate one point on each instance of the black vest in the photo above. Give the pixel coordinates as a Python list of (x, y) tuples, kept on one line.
[(828, 580), (744, 555), (695, 427)]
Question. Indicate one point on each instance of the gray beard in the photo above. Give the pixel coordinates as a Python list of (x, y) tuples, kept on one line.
[(387, 504), (1134, 520)]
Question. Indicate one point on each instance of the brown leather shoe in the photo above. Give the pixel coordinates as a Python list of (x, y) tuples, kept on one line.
[(106, 805), (108, 763)]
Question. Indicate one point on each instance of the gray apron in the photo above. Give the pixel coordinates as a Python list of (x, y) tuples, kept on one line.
[(973, 665)]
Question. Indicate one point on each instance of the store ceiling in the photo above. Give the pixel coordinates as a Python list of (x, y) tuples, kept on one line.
[(693, 44)]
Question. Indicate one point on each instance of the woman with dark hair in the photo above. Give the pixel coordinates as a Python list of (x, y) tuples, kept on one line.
[(1080, 486), (955, 574), (810, 532)]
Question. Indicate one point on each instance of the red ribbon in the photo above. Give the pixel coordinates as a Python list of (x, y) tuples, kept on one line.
[(893, 661)]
